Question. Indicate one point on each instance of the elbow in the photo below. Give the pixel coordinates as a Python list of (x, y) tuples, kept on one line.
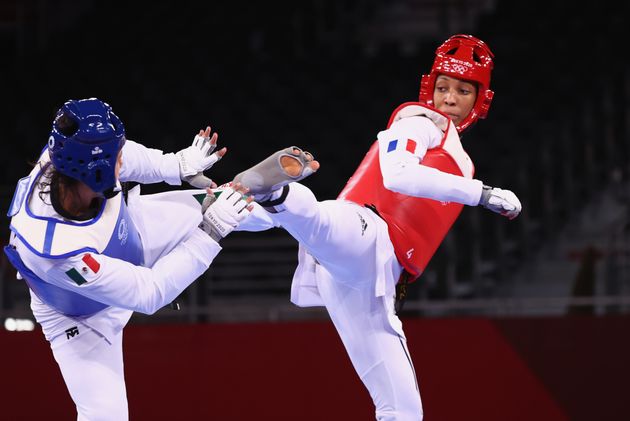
[(148, 307), (156, 304), (151, 311), (388, 184), (393, 183), (395, 176), (145, 309)]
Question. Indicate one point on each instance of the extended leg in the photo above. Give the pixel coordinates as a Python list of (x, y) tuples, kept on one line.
[(338, 234), (342, 237)]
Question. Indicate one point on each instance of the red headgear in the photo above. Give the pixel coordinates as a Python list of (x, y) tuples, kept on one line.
[(462, 57)]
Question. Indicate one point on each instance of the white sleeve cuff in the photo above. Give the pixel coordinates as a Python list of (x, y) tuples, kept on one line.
[(169, 168)]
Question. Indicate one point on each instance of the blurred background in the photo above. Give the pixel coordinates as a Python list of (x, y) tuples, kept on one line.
[(326, 75)]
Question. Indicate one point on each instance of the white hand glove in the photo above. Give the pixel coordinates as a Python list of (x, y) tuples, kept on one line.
[(225, 214), (500, 201), (197, 158)]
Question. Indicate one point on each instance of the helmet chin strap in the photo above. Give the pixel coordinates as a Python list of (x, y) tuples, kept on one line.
[(113, 190)]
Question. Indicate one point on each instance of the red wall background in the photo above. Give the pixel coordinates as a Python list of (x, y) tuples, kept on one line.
[(539, 369)]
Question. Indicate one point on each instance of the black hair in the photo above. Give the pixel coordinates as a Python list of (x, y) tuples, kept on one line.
[(50, 181), (66, 125)]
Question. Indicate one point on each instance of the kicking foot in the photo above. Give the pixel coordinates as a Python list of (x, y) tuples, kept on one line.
[(278, 170)]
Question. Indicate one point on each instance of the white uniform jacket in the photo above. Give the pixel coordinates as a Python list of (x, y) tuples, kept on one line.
[(132, 257)]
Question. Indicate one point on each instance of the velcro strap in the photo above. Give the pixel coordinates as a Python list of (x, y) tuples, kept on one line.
[(278, 201)]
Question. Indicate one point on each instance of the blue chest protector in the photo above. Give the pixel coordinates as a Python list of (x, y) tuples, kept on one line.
[(56, 239)]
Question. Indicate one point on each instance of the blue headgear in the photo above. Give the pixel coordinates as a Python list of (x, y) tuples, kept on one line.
[(87, 148)]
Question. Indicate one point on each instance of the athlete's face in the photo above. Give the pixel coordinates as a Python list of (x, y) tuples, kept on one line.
[(454, 97)]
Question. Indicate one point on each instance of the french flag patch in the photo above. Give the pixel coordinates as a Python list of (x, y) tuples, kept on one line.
[(409, 146)]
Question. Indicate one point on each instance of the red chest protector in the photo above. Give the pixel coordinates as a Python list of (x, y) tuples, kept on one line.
[(416, 225)]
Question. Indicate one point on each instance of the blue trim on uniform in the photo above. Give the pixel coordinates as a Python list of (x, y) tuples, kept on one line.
[(48, 256), (62, 300), (392, 145), (46, 218), (18, 196), (50, 232)]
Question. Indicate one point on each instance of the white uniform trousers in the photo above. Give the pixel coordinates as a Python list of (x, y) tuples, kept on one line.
[(88, 357), (342, 237)]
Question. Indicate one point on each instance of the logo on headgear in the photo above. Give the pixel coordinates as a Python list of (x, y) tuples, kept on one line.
[(459, 68), (51, 142), (98, 163), (96, 150), (123, 232)]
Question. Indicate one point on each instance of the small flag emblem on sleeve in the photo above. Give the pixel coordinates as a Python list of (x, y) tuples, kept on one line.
[(91, 262), (78, 274), (411, 145)]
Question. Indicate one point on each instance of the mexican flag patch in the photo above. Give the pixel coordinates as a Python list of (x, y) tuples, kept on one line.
[(91, 262), (91, 265)]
